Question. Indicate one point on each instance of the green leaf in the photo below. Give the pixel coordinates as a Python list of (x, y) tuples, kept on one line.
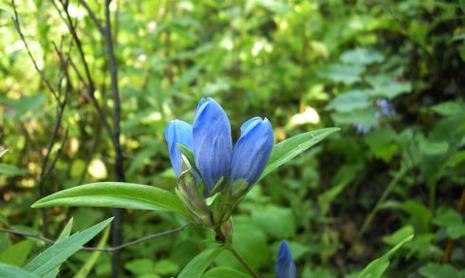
[(377, 267), (448, 218), (276, 221), (385, 86), (349, 101), (11, 170), (12, 271), (433, 270), (366, 117), (2, 152), (449, 108), (362, 56), (197, 266), (225, 272), (189, 155), (16, 254), (59, 252), (248, 240), (115, 195), (90, 262), (63, 235), (292, 147), (344, 73), (398, 235)]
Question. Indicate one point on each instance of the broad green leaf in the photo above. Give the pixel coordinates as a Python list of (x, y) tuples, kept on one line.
[(115, 195), (449, 108), (376, 268), (12, 271), (344, 73), (90, 262), (292, 147), (197, 266), (349, 101), (433, 270), (276, 221), (366, 117), (59, 252), (225, 272), (448, 218), (249, 240), (362, 56), (16, 254)]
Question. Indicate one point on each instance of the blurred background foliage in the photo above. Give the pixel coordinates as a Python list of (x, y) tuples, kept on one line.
[(390, 73)]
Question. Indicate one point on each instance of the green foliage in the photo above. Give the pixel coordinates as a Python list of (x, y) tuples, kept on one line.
[(115, 195), (306, 66), (47, 263)]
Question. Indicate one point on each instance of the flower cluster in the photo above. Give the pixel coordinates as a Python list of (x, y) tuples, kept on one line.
[(217, 166)]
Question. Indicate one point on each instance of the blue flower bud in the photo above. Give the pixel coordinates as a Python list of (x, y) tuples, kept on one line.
[(177, 132), (212, 143), (285, 267), (252, 150)]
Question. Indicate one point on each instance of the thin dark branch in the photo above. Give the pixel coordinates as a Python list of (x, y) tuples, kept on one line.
[(17, 25), (72, 29), (117, 225), (93, 16), (110, 249)]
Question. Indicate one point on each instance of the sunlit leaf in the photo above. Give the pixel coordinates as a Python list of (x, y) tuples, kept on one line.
[(292, 147), (61, 251), (115, 195)]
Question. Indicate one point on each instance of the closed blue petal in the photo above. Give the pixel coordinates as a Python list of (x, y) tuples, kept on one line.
[(212, 143), (252, 150), (285, 267), (250, 123), (177, 132)]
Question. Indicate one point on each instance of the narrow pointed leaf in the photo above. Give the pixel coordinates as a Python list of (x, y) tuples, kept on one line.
[(63, 235), (225, 272), (60, 251), (376, 268), (90, 262), (198, 265), (292, 147), (115, 195), (12, 271)]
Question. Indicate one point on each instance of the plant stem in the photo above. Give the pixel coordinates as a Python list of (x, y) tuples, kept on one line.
[(387, 191), (451, 242), (242, 261)]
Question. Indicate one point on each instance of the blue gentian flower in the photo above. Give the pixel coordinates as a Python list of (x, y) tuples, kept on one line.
[(285, 267), (211, 143), (252, 150), (177, 132)]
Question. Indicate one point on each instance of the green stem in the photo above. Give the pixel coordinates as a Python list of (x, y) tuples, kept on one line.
[(387, 191), (242, 261)]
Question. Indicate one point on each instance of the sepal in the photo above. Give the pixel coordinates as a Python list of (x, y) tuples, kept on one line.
[(189, 194)]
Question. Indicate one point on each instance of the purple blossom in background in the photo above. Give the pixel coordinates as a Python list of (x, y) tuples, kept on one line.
[(361, 129), (385, 108)]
